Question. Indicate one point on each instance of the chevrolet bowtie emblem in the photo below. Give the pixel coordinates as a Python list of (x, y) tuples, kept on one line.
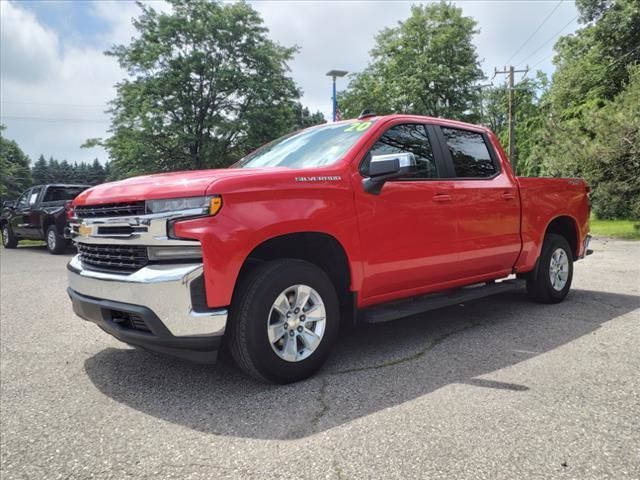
[(84, 230)]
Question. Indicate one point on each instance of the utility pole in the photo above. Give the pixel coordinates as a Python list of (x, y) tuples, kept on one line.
[(512, 108)]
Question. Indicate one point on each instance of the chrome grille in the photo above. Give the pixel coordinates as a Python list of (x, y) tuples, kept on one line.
[(110, 210), (126, 258)]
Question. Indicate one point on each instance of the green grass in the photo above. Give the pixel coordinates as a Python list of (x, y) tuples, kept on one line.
[(627, 229)]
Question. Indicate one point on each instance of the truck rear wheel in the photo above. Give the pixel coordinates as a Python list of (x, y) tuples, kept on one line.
[(8, 238), (284, 320), (551, 281), (56, 243)]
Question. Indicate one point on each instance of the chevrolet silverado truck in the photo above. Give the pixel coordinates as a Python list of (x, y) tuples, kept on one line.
[(40, 213), (363, 220)]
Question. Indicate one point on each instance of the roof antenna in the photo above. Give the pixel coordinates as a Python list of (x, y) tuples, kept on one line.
[(366, 113)]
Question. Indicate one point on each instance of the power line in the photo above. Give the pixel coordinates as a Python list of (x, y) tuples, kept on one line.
[(623, 56), (56, 104), (608, 66), (547, 41), (543, 60), (58, 119), (536, 31)]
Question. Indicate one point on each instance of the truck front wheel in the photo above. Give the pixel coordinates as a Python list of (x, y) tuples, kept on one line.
[(551, 281), (284, 320), (8, 238)]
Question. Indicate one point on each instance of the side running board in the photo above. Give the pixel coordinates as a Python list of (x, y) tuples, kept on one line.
[(406, 308)]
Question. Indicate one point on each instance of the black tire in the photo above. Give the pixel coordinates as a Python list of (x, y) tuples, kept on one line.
[(9, 240), (539, 286), (56, 243), (250, 313)]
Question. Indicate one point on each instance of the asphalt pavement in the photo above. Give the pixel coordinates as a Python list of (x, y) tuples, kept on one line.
[(499, 388)]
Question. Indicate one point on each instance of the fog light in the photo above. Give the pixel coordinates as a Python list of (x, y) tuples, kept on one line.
[(174, 253)]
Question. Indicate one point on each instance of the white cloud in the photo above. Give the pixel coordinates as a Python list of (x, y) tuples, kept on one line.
[(55, 89), (26, 54)]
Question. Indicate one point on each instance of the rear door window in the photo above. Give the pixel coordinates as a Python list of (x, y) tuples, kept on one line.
[(469, 153)]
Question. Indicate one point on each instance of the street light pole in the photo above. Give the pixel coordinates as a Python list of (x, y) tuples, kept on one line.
[(335, 74)]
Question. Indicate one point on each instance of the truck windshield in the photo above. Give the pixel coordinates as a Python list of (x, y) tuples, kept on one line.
[(313, 147)]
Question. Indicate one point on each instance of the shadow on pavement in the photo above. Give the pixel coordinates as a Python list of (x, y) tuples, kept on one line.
[(372, 368), (70, 251)]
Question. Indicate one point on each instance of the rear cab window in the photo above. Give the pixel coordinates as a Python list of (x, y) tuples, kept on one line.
[(470, 155), (59, 194)]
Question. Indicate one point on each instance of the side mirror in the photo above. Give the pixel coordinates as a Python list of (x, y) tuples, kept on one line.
[(8, 204), (388, 167)]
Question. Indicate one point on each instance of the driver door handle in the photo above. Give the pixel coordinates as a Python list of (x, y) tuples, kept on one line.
[(442, 197)]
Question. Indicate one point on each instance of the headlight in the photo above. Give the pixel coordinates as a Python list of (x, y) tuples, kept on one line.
[(209, 205)]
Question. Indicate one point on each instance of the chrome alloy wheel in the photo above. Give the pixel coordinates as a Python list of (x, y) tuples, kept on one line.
[(296, 323), (51, 240), (5, 235), (559, 269)]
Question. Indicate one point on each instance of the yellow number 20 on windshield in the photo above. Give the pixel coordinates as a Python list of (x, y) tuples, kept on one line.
[(358, 127)]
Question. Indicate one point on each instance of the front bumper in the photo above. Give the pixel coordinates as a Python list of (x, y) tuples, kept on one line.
[(158, 307)]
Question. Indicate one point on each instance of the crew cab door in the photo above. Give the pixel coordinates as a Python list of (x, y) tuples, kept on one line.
[(32, 216), (487, 204), (408, 229), (18, 219)]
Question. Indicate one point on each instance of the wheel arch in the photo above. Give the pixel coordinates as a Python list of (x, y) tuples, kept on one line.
[(567, 227), (319, 248), (46, 223)]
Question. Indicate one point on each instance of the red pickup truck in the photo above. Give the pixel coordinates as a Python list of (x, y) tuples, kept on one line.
[(364, 220)]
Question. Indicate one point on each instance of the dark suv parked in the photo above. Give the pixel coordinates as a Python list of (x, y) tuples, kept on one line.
[(40, 213)]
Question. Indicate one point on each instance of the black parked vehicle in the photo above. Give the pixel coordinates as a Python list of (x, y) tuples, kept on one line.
[(40, 213)]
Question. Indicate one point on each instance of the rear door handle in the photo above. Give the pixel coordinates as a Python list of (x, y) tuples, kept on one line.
[(441, 197), (508, 196)]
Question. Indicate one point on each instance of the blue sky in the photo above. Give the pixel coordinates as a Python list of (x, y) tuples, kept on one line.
[(75, 21), (56, 81)]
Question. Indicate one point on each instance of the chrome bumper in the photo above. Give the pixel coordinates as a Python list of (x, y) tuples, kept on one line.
[(164, 289), (585, 247)]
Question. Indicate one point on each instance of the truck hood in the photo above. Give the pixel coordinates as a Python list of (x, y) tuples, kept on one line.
[(162, 185)]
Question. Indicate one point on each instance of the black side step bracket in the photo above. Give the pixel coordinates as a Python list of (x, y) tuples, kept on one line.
[(406, 308)]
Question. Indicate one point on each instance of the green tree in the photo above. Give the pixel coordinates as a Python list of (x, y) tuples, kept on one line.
[(15, 174), (426, 65), (40, 171), (529, 117), (54, 170), (607, 156), (304, 118), (96, 173), (592, 63), (581, 131), (205, 84), (65, 172)]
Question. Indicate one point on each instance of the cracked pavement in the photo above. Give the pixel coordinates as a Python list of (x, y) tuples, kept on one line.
[(496, 388)]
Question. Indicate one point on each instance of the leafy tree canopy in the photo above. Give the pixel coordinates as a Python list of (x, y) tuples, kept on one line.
[(426, 65), (205, 85), (15, 175)]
